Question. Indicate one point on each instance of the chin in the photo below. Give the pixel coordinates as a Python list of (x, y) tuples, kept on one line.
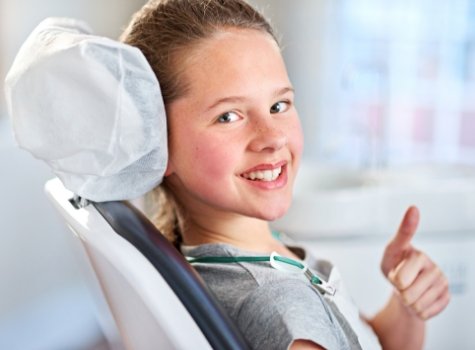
[(273, 213)]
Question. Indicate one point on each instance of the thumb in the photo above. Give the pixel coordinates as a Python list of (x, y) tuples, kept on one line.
[(401, 241), (407, 229)]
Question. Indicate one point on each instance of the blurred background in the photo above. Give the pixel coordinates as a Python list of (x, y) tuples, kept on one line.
[(386, 94)]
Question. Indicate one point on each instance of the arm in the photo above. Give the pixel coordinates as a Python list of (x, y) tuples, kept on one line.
[(397, 327), (420, 290)]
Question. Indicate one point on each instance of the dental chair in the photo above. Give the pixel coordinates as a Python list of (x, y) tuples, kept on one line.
[(156, 298), (66, 91)]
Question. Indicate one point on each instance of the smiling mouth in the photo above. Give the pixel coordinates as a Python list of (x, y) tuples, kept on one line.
[(263, 175)]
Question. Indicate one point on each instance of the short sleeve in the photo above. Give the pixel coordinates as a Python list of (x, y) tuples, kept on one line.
[(275, 314)]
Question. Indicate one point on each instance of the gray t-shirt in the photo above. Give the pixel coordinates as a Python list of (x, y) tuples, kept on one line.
[(270, 307)]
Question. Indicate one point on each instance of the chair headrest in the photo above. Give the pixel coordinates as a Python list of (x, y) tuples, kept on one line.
[(91, 108)]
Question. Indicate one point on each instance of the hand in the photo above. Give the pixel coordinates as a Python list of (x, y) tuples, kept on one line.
[(421, 284)]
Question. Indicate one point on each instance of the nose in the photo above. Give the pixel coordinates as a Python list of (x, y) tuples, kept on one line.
[(268, 135)]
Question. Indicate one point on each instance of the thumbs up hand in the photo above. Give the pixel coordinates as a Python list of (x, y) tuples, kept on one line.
[(422, 286)]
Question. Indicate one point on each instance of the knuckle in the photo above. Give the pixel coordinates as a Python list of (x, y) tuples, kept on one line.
[(448, 297), (391, 275), (438, 271), (424, 315), (399, 282), (423, 259), (419, 313), (417, 307), (418, 254), (445, 283), (407, 297)]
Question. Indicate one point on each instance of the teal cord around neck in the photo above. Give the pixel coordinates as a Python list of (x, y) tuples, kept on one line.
[(315, 280), (253, 259), (238, 259)]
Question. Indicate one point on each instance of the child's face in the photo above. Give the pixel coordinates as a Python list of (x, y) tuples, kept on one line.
[(236, 124)]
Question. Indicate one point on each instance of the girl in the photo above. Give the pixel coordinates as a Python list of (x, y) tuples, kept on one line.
[(234, 148)]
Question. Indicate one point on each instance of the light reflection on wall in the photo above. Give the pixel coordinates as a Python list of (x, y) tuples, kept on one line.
[(406, 83)]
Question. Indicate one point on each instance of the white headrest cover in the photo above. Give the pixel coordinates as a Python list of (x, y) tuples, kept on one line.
[(91, 108)]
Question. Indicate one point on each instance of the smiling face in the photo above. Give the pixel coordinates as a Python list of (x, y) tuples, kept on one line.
[(234, 137)]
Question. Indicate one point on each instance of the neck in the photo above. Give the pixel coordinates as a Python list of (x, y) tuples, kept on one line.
[(243, 232)]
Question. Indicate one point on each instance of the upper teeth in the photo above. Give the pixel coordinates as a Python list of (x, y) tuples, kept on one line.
[(264, 175)]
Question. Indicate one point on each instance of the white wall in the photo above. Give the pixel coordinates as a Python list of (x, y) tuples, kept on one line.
[(19, 17)]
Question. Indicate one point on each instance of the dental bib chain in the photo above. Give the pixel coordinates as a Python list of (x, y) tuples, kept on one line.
[(277, 261)]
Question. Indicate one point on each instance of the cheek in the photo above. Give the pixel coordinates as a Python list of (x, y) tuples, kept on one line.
[(213, 159), (295, 135)]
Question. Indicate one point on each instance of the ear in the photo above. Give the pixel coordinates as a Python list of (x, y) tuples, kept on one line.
[(169, 170)]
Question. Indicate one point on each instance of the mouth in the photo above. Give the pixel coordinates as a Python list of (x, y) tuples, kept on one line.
[(270, 174)]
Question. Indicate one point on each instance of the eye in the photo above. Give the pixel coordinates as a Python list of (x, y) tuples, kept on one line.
[(228, 117), (280, 107)]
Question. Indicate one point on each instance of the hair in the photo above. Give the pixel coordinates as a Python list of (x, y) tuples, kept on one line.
[(166, 31)]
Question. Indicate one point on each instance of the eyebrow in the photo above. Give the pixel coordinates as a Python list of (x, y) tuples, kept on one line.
[(234, 99)]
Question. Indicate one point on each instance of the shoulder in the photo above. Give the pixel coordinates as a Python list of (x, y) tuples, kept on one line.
[(276, 314)]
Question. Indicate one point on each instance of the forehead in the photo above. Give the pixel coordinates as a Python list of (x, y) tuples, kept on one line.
[(234, 61)]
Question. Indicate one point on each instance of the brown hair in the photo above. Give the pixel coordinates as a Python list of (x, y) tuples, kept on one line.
[(166, 31)]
